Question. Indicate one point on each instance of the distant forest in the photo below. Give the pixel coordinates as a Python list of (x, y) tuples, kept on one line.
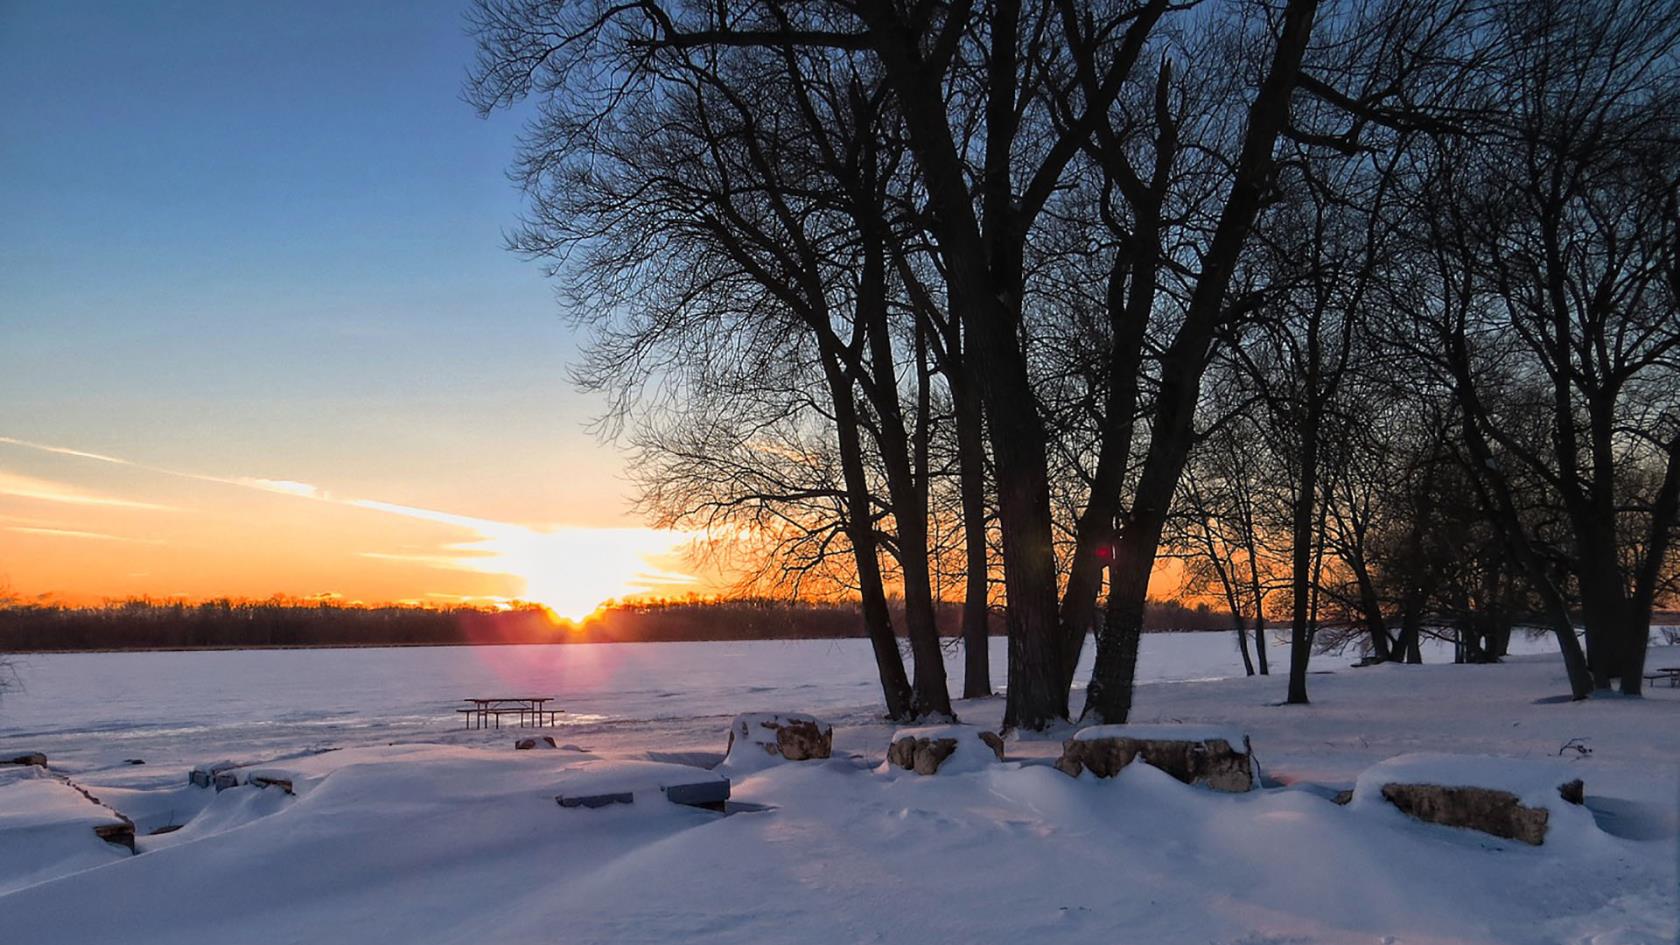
[(281, 622)]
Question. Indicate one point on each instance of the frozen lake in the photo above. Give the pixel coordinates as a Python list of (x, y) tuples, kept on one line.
[(94, 710)]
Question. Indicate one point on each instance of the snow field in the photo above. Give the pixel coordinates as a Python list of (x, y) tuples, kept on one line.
[(446, 843)]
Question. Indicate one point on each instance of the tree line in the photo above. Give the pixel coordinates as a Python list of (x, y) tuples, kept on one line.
[(282, 622), (1364, 309)]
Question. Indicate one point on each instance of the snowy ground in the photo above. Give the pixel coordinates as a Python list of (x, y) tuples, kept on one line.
[(459, 839)]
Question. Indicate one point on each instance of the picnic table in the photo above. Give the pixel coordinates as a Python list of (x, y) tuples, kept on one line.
[(532, 709), (1671, 673)]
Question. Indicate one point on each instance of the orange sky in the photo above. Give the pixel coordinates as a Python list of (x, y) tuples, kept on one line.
[(83, 526), (80, 526), (260, 333)]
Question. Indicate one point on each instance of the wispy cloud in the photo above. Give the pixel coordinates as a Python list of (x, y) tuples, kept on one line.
[(571, 569), (46, 490), (281, 486), (77, 533), (65, 451)]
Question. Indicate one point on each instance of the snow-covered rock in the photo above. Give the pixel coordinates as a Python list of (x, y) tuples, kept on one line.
[(34, 758), (1213, 756), (206, 773), (760, 739), (539, 741), (1513, 798), (944, 749)]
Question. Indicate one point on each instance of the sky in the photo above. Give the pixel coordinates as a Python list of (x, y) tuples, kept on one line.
[(259, 333)]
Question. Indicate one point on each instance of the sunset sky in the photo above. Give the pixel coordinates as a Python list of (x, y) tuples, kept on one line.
[(258, 332)]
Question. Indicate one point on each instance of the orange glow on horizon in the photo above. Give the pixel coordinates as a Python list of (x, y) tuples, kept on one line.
[(82, 527)]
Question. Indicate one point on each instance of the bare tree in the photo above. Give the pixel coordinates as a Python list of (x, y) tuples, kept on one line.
[(1551, 230)]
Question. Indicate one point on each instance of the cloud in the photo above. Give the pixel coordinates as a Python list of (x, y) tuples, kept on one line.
[(77, 533), (281, 486), (45, 490), (65, 451), (570, 569)]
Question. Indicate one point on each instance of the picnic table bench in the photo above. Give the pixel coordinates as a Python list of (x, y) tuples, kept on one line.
[(1670, 673), (529, 709)]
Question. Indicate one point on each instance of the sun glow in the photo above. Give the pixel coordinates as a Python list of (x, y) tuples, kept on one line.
[(113, 527), (569, 570)]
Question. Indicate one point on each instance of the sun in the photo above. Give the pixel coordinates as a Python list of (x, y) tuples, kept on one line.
[(572, 571)]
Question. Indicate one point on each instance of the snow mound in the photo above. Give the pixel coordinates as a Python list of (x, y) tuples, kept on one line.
[(1534, 783), (47, 829), (601, 782), (943, 749), (758, 740)]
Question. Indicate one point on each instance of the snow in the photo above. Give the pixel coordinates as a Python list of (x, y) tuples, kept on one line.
[(29, 796), (451, 836), (597, 776), (93, 710), (971, 754), (46, 829), (1171, 732)]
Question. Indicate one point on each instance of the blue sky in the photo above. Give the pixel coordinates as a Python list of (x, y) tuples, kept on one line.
[(265, 240)]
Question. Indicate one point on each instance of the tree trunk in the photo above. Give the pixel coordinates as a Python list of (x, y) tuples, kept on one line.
[(1370, 608), (1128, 308), (908, 493), (1498, 496), (971, 472), (1109, 697), (1117, 646), (1665, 511), (984, 266), (860, 529), (1301, 531)]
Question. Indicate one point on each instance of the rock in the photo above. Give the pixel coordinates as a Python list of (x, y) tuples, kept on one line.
[(28, 758), (757, 737), (1519, 799), (1193, 754), (205, 775), (921, 755), (267, 780), (120, 834), (927, 750), (540, 741), (134, 761), (1486, 809), (596, 800)]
